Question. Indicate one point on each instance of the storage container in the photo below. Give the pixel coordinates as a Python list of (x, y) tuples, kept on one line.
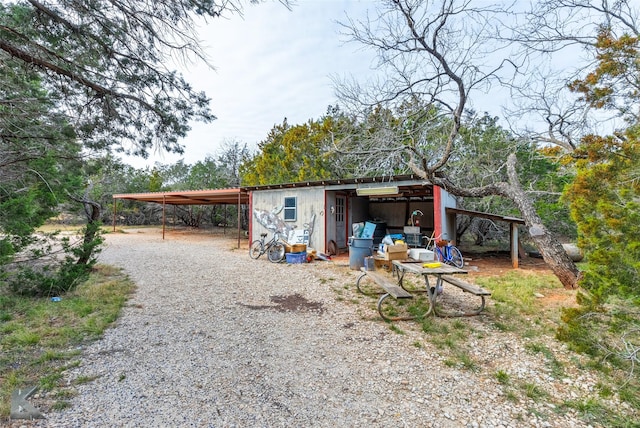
[(421, 254), (395, 252), (369, 264), (414, 239), (295, 258), (359, 248), (298, 248)]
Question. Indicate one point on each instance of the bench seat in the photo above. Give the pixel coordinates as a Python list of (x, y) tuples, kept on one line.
[(389, 285), (465, 286), (391, 289)]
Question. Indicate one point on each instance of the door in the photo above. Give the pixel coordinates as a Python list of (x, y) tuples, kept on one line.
[(341, 221)]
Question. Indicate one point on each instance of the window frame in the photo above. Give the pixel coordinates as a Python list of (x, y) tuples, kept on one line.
[(289, 211)]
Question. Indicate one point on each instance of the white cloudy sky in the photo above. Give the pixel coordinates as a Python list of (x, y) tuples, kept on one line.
[(271, 63)]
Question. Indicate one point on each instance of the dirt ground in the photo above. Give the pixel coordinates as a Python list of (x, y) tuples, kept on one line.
[(486, 264), (491, 264), (479, 264)]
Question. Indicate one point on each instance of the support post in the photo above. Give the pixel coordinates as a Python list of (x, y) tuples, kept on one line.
[(513, 246), (164, 200), (437, 212), (239, 222), (115, 204)]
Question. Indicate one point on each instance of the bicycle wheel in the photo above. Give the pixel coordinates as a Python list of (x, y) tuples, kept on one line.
[(455, 257), (255, 249), (276, 252), (437, 254)]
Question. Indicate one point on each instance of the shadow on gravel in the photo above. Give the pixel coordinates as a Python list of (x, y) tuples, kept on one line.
[(291, 303)]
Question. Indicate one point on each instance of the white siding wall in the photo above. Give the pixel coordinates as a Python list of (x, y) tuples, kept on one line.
[(310, 201)]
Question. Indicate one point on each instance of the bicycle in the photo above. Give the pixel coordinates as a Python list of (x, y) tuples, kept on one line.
[(274, 248), (444, 251)]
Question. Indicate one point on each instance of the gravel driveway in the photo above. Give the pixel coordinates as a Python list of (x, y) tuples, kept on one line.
[(212, 338)]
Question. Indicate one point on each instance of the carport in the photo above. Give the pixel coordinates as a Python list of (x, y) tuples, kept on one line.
[(231, 196)]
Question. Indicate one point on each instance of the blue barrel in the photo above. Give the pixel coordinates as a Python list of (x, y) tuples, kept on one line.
[(359, 248)]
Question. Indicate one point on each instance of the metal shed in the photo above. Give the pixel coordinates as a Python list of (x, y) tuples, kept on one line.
[(329, 208)]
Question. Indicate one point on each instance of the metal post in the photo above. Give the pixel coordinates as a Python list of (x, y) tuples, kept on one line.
[(164, 200), (115, 204), (239, 222)]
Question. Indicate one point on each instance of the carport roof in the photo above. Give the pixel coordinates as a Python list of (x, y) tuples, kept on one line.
[(231, 196)]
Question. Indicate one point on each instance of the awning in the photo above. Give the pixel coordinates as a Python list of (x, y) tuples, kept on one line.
[(490, 216), (514, 243), (191, 197)]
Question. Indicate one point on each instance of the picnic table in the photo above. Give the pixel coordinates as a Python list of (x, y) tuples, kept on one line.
[(434, 278), (439, 275)]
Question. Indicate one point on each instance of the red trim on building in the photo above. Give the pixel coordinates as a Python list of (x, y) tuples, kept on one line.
[(326, 224), (437, 211), (250, 217)]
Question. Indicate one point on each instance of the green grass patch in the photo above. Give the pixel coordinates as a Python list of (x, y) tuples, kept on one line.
[(467, 362), (533, 391), (517, 305), (511, 396), (594, 411), (81, 380), (60, 405), (37, 333), (461, 360), (450, 362), (503, 377), (517, 290), (394, 328)]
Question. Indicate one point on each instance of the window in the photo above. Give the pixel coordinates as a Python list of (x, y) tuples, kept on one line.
[(290, 208), (340, 209)]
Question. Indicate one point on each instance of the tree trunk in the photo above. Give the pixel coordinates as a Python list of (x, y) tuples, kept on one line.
[(550, 248), (93, 216), (90, 241)]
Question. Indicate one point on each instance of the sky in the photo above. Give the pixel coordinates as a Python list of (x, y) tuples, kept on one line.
[(270, 63), (273, 63)]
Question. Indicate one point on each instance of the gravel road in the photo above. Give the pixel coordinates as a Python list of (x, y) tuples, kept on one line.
[(212, 338)]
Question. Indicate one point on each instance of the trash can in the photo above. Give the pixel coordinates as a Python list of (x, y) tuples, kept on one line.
[(359, 248)]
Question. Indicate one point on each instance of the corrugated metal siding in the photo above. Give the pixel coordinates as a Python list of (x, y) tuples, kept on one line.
[(310, 201)]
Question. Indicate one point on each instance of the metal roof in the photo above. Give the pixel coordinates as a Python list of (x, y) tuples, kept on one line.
[(191, 197), (485, 215), (233, 195), (347, 182)]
